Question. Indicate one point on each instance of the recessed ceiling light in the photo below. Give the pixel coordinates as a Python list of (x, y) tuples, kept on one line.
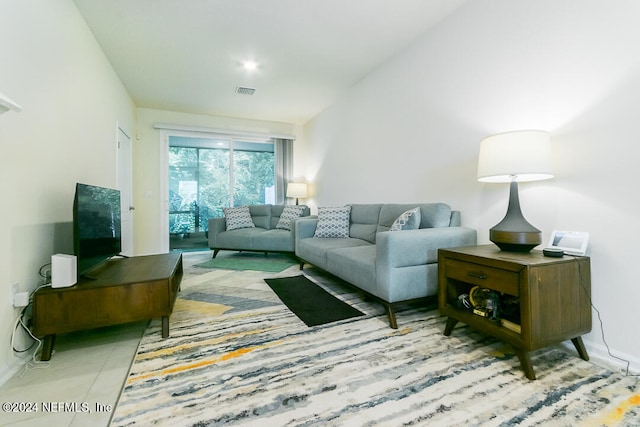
[(250, 65)]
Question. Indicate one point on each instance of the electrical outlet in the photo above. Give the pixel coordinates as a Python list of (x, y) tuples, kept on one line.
[(21, 299)]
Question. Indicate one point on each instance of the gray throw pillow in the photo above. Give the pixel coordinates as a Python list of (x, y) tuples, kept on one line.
[(238, 218), (409, 220), (289, 213), (333, 222)]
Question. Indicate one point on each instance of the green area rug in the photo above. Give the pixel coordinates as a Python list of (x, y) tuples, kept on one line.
[(272, 263), (312, 304), (237, 356)]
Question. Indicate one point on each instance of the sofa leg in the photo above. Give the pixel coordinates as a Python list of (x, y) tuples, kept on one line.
[(301, 265), (391, 314), (215, 252)]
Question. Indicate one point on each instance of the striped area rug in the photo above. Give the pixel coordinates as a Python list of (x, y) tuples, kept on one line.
[(238, 356)]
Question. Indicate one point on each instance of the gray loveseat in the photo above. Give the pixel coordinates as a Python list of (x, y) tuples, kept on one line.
[(264, 236), (394, 267)]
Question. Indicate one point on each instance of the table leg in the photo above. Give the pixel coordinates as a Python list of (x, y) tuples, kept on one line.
[(582, 351), (165, 326), (525, 361), (47, 347), (451, 322)]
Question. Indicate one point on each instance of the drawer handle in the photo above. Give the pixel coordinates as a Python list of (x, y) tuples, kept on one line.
[(477, 275)]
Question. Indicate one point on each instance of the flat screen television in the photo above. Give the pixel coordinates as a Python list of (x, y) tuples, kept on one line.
[(96, 226)]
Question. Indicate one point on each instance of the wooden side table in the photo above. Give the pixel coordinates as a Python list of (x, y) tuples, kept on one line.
[(540, 300)]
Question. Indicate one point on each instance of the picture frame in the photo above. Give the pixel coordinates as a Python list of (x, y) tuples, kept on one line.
[(571, 242)]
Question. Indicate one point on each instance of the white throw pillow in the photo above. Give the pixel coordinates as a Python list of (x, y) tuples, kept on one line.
[(333, 222), (409, 220), (289, 213), (238, 218)]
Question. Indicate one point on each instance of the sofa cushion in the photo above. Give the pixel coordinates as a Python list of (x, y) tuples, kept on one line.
[(364, 221), (431, 214), (261, 215), (315, 250), (276, 212), (435, 215), (289, 213), (408, 220), (272, 240), (356, 265), (238, 238), (333, 222), (238, 218)]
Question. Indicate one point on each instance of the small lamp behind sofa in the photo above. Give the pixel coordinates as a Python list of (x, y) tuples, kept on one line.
[(297, 190)]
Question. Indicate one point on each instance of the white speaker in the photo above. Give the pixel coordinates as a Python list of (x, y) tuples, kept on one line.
[(63, 270)]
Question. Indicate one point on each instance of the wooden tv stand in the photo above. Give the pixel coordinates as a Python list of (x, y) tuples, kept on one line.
[(123, 290)]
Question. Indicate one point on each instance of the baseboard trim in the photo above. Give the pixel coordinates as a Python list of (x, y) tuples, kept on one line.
[(599, 354), (9, 370)]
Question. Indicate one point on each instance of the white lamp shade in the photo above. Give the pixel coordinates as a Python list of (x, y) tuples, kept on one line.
[(297, 190), (520, 156)]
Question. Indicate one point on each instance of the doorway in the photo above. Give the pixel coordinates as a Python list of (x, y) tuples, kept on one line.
[(125, 186)]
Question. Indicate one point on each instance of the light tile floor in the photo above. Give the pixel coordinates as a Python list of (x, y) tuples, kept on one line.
[(88, 368)]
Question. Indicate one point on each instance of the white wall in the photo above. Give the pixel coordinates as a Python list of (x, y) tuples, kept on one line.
[(72, 101), (148, 200), (410, 131)]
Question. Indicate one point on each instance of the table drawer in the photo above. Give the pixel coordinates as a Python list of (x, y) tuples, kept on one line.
[(489, 277)]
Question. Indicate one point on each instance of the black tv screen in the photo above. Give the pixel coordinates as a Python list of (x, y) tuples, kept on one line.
[(96, 226)]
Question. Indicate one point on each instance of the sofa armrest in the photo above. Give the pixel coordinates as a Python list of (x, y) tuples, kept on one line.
[(419, 247), (216, 226), (305, 227)]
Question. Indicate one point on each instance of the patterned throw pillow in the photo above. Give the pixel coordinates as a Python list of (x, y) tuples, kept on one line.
[(238, 218), (409, 220), (333, 222), (289, 213)]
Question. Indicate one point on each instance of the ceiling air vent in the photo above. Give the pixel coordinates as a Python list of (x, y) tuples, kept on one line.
[(242, 90)]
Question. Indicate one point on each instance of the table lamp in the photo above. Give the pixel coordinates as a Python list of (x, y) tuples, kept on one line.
[(297, 190), (513, 157)]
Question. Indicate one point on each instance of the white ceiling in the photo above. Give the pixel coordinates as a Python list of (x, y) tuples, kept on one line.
[(187, 55)]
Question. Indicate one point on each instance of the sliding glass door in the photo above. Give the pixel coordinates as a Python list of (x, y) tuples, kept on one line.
[(207, 174)]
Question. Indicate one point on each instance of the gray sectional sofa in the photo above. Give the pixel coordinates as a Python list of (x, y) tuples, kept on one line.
[(263, 236), (394, 267)]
